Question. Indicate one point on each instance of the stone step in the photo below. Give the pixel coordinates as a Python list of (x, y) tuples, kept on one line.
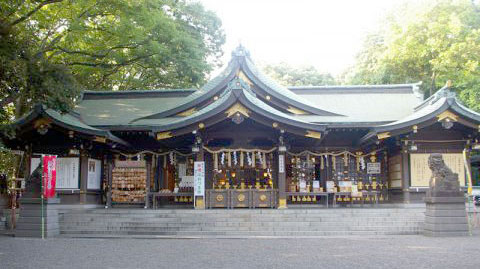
[(239, 224), (240, 234), (252, 212), (258, 222), (280, 217), (242, 228), (233, 228), (239, 219)]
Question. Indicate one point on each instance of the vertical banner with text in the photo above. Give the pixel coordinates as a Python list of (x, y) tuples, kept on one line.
[(49, 175), (199, 178)]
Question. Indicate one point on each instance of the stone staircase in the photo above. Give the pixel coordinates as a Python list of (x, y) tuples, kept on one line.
[(144, 223)]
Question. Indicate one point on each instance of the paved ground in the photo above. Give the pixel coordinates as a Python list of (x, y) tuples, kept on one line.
[(350, 252)]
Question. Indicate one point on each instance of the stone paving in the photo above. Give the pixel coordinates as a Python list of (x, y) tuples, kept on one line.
[(325, 252)]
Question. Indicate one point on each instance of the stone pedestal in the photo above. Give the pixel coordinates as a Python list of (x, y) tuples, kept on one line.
[(30, 222), (446, 216), (445, 213)]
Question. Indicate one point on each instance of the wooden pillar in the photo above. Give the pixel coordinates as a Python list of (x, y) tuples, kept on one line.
[(148, 160), (282, 179), (199, 157), (28, 163), (108, 175), (83, 176), (405, 176)]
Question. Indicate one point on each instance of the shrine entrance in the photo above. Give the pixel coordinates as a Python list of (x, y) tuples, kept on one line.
[(241, 165)]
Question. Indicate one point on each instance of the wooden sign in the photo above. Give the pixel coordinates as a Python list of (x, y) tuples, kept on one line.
[(281, 163), (373, 168), (420, 172)]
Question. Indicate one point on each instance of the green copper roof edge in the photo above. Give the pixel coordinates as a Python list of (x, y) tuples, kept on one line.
[(41, 110), (276, 90), (210, 91), (244, 97), (367, 86), (278, 115)]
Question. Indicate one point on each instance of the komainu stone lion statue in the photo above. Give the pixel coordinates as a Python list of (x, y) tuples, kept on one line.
[(443, 181)]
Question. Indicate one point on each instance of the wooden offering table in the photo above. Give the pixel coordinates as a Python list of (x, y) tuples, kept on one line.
[(241, 198)]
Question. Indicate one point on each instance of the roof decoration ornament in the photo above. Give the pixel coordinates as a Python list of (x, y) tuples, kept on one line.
[(240, 51)]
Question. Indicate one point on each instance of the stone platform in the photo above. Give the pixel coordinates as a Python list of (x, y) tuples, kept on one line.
[(147, 223)]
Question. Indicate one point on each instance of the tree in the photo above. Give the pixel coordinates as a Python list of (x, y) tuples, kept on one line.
[(433, 42), (50, 50), (288, 75)]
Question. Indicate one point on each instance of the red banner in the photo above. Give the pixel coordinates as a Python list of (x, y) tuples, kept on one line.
[(49, 175)]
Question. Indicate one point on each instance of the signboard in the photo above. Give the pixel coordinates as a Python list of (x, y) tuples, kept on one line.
[(316, 185), (49, 175), (420, 173), (67, 170), (199, 178), (303, 186), (94, 174), (373, 168), (281, 163), (330, 186)]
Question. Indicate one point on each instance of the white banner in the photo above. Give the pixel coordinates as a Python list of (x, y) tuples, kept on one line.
[(94, 174), (199, 178)]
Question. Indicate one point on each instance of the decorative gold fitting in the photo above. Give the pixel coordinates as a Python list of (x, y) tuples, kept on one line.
[(100, 139), (164, 135), (448, 116), (313, 134), (383, 135)]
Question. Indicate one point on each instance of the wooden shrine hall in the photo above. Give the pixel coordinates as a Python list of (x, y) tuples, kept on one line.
[(262, 145)]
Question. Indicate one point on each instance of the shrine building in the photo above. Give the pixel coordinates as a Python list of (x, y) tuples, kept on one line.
[(257, 143)]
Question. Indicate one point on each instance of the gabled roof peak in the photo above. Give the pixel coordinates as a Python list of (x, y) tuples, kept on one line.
[(240, 51)]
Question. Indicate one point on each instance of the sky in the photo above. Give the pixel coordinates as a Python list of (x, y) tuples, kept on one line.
[(325, 34)]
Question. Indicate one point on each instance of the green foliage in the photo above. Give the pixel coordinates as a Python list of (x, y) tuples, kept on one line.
[(8, 163), (433, 42), (51, 50), (288, 75)]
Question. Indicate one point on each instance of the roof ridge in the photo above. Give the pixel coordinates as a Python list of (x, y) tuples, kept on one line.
[(355, 86), (138, 91)]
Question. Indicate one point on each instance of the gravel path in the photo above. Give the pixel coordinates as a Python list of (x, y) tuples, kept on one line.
[(354, 252)]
